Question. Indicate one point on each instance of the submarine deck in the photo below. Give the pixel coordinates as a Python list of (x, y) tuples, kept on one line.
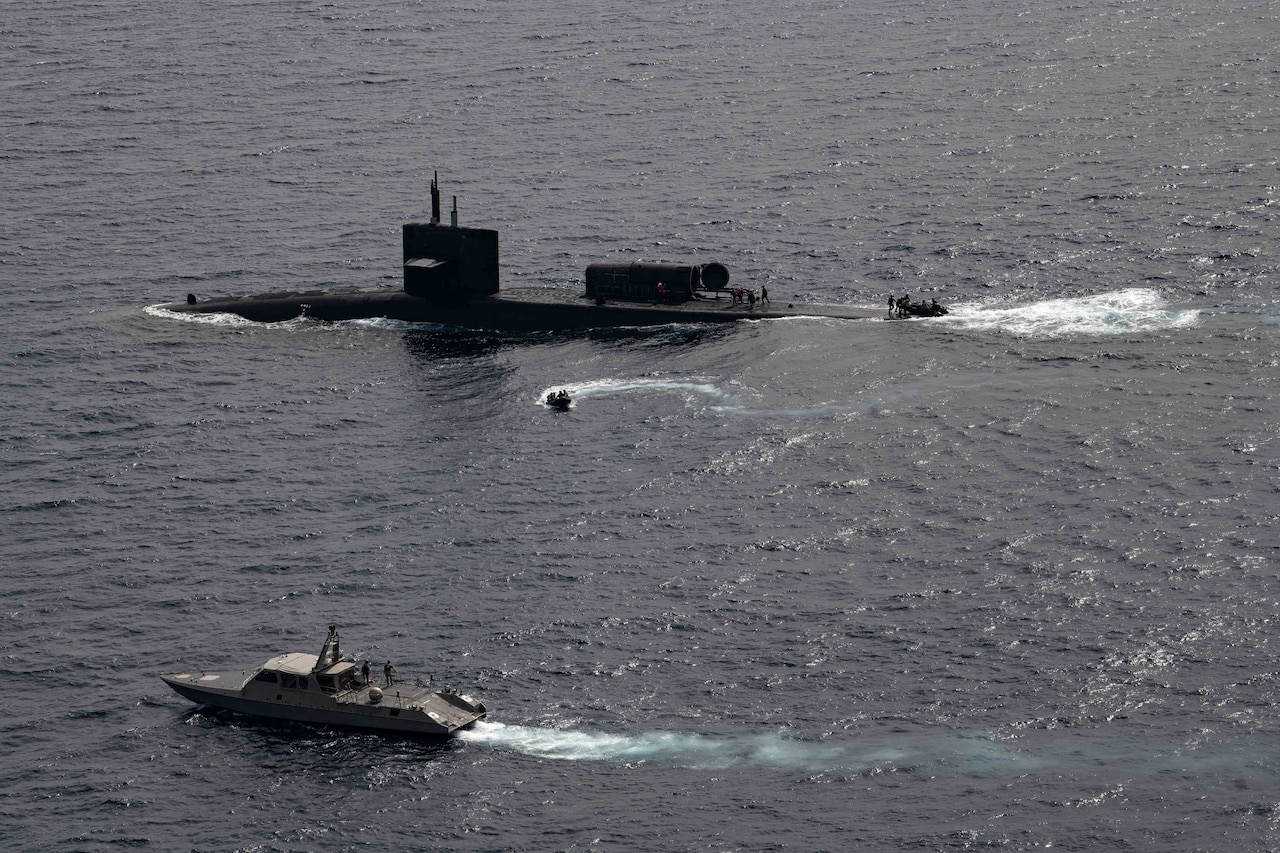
[(516, 309)]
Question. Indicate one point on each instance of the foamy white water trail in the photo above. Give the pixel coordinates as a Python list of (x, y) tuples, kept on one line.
[(1134, 310), (692, 389), (201, 319), (774, 749), (724, 403), (684, 749), (942, 754)]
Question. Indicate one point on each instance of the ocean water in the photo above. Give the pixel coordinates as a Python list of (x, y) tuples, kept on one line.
[(1004, 579)]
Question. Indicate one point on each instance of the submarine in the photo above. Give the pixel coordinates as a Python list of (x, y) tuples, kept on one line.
[(451, 279)]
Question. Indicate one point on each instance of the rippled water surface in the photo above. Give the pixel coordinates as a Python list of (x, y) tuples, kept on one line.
[(1000, 579)]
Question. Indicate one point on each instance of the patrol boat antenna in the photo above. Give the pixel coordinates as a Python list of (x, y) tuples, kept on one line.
[(329, 652)]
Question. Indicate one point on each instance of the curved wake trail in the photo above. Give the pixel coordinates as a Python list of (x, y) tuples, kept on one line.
[(720, 401)]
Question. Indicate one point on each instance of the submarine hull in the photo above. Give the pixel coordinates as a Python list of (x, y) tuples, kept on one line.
[(451, 278), (529, 309)]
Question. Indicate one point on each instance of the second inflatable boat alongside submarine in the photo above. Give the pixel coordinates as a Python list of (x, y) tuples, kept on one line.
[(451, 279)]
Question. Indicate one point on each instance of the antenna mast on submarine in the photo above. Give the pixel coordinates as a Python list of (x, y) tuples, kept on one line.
[(435, 198)]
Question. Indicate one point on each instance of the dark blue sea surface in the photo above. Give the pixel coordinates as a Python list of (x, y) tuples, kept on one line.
[(1004, 579)]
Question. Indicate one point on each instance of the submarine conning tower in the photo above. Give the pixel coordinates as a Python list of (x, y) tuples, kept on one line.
[(448, 265)]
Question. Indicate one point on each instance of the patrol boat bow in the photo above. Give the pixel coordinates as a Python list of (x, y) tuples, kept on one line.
[(327, 690)]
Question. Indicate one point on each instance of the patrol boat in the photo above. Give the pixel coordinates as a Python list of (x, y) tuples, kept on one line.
[(328, 690)]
